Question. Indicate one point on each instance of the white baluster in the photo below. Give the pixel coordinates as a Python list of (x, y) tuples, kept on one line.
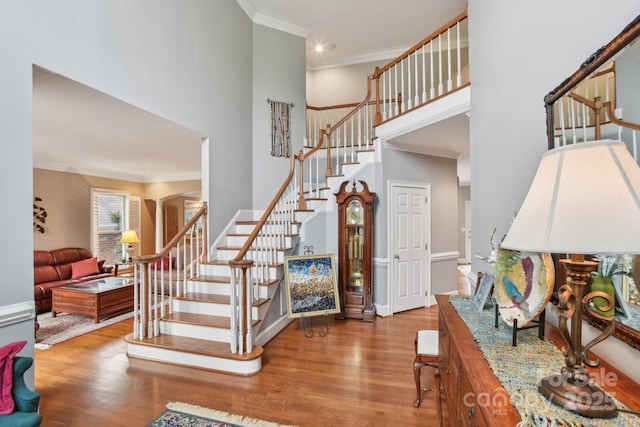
[(416, 101), (432, 90), (440, 86), (449, 81), (397, 106), (573, 122), (424, 76), (388, 99), (459, 79)]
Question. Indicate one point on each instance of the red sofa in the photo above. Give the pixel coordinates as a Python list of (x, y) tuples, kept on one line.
[(62, 267)]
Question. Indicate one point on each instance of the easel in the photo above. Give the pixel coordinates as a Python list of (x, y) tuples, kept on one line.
[(539, 323), (307, 324)]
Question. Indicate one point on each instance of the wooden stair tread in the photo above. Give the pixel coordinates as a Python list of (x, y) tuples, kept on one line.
[(195, 346), (237, 248), (203, 297), (215, 298), (212, 279), (201, 319), (198, 319)]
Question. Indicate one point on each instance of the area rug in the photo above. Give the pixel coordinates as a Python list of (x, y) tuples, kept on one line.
[(186, 414), (63, 327)]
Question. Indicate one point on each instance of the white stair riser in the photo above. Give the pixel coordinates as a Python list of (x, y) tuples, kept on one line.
[(215, 288), (225, 271), (195, 331), (229, 254), (277, 228), (242, 367), (238, 240), (200, 307)]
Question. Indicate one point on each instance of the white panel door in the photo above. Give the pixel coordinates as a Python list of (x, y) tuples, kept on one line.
[(410, 266)]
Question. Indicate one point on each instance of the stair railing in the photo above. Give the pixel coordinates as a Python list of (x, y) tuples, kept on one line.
[(588, 117), (161, 277), (576, 116), (339, 143), (432, 68)]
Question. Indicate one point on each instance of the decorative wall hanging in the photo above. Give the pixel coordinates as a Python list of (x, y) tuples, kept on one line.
[(280, 128), (39, 215)]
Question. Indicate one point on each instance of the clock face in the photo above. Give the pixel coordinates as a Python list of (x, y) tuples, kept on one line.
[(354, 212)]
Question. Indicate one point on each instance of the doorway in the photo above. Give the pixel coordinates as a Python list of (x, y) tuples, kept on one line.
[(410, 226)]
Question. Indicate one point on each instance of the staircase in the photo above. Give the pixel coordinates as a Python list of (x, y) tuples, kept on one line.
[(217, 310), (193, 326)]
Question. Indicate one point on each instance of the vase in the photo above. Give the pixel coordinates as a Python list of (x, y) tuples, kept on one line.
[(603, 284)]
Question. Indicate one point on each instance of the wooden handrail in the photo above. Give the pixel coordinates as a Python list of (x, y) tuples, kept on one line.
[(596, 105), (173, 242), (268, 211), (426, 40), (616, 120)]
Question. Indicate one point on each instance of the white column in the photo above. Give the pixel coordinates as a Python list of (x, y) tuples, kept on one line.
[(159, 225)]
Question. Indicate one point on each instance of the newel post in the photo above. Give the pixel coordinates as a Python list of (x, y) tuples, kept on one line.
[(327, 133), (378, 116), (302, 204), (241, 307)]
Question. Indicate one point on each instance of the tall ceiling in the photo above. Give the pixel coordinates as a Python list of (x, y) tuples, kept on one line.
[(78, 129)]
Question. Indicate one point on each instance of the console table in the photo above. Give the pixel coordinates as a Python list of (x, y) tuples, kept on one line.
[(474, 396)]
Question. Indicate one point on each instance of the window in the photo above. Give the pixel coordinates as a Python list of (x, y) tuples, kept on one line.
[(112, 212)]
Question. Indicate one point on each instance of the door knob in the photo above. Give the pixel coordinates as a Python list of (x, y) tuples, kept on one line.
[(396, 256)]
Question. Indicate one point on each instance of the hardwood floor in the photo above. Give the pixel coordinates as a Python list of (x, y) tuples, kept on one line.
[(359, 374)]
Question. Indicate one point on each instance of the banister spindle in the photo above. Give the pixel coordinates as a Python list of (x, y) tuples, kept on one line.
[(459, 46), (301, 202), (449, 81)]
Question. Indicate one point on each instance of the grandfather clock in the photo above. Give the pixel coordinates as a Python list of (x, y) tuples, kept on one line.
[(355, 245)]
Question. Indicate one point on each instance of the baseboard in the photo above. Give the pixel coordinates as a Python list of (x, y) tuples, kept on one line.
[(17, 313), (272, 330)]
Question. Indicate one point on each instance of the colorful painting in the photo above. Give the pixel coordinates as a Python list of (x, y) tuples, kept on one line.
[(311, 285), (523, 285)]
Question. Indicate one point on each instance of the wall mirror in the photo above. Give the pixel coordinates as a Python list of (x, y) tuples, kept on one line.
[(601, 100)]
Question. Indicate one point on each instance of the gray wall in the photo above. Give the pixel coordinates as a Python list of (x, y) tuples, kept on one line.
[(510, 76), (189, 62), (519, 51), (440, 173), (279, 75)]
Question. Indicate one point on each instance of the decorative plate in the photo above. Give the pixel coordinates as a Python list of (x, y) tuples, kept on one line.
[(523, 285)]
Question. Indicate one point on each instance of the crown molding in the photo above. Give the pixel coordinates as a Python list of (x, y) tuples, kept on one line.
[(104, 173)]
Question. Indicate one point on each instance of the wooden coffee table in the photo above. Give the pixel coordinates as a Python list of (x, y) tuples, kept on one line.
[(100, 299)]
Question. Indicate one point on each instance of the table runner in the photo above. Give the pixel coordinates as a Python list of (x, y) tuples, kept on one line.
[(519, 369)]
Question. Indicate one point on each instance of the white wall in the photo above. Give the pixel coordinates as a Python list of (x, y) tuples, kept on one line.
[(519, 51), (279, 75), (340, 85)]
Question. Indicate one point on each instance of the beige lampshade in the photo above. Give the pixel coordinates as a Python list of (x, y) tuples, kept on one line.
[(584, 199), (129, 236)]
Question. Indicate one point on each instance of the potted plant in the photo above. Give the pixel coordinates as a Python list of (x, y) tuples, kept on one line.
[(608, 266)]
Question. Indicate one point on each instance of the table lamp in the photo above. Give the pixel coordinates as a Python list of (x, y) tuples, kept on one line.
[(584, 199), (129, 237)]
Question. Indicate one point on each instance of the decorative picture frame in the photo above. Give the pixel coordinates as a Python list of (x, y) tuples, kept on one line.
[(483, 291), (311, 285)]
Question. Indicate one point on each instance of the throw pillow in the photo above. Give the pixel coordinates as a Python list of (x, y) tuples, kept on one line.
[(84, 268), (164, 264), (6, 375)]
